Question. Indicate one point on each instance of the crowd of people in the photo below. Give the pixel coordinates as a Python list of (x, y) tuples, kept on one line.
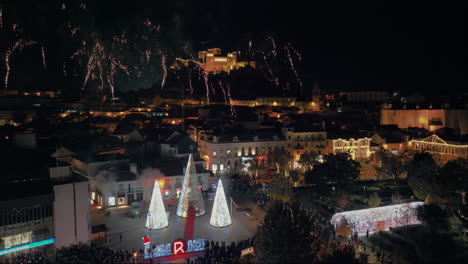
[(28, 258), (216, 252), (78, 254)]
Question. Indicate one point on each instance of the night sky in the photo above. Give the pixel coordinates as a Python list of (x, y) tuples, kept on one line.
[(380, 46)]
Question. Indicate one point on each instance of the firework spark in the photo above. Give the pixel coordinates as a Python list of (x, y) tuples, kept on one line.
[(43, 57), (291, 63), (19, 45), (273, 49), (1, 18), (163, 65)]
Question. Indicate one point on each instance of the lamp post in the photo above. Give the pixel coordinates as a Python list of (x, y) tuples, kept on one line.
[(135, 257)]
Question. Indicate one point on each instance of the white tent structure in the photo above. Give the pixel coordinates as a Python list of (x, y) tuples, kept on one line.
[(157, 218), (220, 216)]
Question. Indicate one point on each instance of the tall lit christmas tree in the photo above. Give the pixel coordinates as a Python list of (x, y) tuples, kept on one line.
[(191, 193), (157, 217), (220, 216)]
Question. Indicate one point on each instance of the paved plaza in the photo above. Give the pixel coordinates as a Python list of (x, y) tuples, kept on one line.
[(133, 229)]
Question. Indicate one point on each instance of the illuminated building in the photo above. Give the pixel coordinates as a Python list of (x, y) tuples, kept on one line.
[(379, 218), (156, 218), (220, 216), (276, 101), (191, 192), (430, 118), (357, 146), (301, 140), (212, 61), (445, 150), (231, 153)]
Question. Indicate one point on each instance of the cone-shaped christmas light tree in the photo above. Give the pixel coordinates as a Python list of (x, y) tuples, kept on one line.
[(220, 216), (157, 217), (191, 194)]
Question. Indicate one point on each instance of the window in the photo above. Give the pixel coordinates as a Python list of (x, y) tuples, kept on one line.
[(121, 189), (130, 188), (453, 150), (395, 151), (172, 150), (221, 167), (214, 153), (228, 151), (214, 168)]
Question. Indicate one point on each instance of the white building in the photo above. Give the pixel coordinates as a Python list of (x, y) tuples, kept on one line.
[(71, 212), (358, 147), (230, 152), (115, 187)]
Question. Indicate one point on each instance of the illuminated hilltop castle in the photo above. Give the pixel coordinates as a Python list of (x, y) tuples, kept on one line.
[(212, 61)]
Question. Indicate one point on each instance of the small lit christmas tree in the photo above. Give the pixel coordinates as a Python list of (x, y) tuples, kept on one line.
[(220, 216), (157, 217)]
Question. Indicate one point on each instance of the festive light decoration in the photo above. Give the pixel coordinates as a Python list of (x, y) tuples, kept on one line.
[(191, 194), (220, 216), (27, 246), (157, 218), (380, 218)]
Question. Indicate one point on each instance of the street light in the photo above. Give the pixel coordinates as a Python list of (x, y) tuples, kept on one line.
[(135, 256)]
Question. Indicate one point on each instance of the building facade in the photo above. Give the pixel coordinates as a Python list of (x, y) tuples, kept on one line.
[(304, 142), (212, 61), (231, 153), (445, 150), (430, 119), (358, 148)]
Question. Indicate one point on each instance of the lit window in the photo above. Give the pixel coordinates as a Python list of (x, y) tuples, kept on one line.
[(214, 153), (111, 201), (221, 167), (167, 194), (228, 152), (214, 167)]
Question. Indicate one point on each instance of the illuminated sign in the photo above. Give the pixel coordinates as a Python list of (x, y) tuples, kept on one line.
[(27, 246), (179, 246)]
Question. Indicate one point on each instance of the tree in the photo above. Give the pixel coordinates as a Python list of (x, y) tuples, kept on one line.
[(391, 165), (285, 236), (454, 183), (422, 175), (280, 189), (435, 216), (307, 161), (374, 200), (294, 175), (280, 158), (337, 169)]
